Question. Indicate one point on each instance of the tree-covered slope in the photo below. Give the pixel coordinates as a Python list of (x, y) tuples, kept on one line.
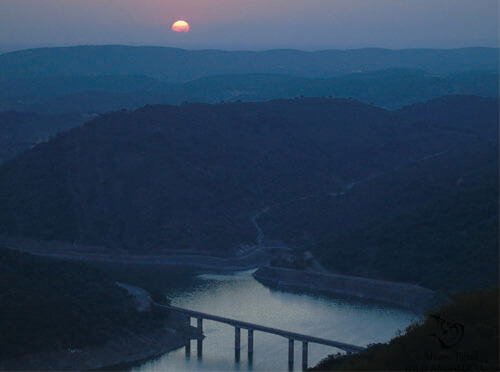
[(191, 176), (433, 222), (407, 195), (460, 113), (49, 306), (459, 336)]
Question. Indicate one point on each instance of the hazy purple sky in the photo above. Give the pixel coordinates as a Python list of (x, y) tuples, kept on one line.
[(252, 24)]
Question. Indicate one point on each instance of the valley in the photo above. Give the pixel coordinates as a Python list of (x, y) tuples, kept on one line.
[(347, 195)]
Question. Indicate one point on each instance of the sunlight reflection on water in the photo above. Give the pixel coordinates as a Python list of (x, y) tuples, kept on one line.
[(241, 297)]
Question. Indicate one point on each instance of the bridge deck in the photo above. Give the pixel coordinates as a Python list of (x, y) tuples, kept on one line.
[(258, 327)]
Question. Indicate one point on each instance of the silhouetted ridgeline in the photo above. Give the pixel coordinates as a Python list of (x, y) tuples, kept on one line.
[(177, 65), (96, 79), (412, 297)]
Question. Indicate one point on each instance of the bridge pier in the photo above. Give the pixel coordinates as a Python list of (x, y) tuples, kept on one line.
[(250, 347), (188, 343), (250, 341), (200, 348), (251, 327), (304, 355), (237, 343), (290, 354), (237, 338), (200, 327)]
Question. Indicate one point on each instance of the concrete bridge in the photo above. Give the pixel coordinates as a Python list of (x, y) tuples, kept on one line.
[(251, 327)]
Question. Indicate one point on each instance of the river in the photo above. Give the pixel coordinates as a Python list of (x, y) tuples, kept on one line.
[(241, 297)]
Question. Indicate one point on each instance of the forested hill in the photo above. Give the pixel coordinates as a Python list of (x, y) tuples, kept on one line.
[(433, 223), (460, 336), (193, 176), (52, 306), (178, 65)]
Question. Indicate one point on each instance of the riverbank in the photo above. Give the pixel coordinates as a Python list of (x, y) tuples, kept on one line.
[(129, 347), (252, 258), (409, 296)]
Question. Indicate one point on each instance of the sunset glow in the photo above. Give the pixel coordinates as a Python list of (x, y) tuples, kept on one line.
[(180, 26)]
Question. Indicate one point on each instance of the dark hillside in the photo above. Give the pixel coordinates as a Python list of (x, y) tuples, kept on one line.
[(456, 113), (191, 176), (472, 320), (418, 194), (434, 223), (49, 306)]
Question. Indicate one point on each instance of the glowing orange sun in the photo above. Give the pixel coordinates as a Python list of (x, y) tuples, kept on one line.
[(180, 26)]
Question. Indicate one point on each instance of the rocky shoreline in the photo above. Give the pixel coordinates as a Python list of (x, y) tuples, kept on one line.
[(409, 296)]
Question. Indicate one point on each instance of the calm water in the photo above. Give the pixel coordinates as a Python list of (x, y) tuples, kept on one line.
[(241, 297)]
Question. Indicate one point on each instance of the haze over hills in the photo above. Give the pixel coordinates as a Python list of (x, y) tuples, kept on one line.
[(192, 176), (391, 88), (328, 200), (179, 65)]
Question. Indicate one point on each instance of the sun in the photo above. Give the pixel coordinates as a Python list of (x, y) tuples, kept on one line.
[(180, 26)]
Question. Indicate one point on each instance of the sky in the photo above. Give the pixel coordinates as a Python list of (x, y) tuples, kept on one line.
[(251, 24)]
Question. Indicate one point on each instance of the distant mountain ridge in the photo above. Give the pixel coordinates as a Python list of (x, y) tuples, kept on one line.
[(392, 88), (179, 65)]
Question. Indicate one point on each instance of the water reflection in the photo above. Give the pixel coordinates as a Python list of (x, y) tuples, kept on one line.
[(239, 296)]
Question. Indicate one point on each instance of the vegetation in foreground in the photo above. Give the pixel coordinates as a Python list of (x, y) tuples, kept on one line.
[(459, 336), (48, 305)]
